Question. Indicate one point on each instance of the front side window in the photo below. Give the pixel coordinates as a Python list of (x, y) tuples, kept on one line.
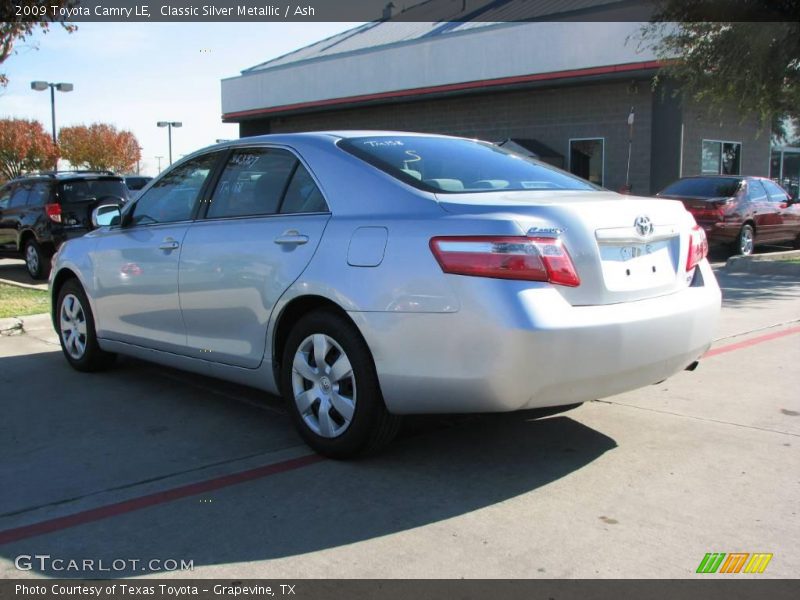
[(721, 158), (39, 194), (173, 197), (5, 196), (586, 159), (19, 196), (756, 191), (453, 165), (252, 183)]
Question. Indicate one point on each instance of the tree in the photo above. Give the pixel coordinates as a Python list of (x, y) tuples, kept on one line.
[(99, 147), (16, 28), (749, 61), (24, 146)]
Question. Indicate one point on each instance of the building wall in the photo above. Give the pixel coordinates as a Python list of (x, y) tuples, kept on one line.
[(552, 116), (699, 123)]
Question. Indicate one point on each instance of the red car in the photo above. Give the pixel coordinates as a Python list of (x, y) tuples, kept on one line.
[(740, 212)]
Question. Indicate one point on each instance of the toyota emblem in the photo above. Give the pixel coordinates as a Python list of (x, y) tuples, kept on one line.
[(643, 225)]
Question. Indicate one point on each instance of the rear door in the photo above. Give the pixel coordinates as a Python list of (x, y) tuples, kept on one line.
[(262, 226), (136, 266), (766, 214)]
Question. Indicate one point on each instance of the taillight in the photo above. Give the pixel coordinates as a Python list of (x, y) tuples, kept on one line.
[(698, 247), (524, 258), (53, 212)]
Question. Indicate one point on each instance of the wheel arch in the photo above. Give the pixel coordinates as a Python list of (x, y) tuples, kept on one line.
[(59, 280)]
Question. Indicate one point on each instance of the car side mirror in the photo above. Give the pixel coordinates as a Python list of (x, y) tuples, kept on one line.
[(105, 214)]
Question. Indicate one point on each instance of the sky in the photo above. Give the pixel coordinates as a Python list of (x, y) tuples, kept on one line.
[(132, 75)]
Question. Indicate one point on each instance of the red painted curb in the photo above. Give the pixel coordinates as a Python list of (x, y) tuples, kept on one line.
[(751, 342)]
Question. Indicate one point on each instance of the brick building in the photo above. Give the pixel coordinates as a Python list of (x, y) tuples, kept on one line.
[(565, 86)]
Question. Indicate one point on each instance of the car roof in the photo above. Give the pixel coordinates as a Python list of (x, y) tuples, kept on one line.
[(67, 176)]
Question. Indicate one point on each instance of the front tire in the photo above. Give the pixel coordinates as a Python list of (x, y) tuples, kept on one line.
[(330, 385), (37, 261), (745, 241), (76, 331)]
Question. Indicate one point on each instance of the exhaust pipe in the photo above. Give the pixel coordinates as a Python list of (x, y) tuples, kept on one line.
[(692, 366)]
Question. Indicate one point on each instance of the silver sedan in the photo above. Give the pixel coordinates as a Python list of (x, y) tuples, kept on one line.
[(367, 275)]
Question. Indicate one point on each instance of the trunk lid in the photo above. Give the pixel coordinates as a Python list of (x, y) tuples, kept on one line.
[(624, 248), (704, 209)]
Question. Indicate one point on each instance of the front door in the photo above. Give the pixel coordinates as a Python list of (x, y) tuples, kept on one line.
[(261, 228), (136, 265)]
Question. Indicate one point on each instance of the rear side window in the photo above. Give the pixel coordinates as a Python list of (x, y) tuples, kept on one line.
[(172, 198), (453, 165), (303, 195), (253, 183), (89, 190), (775, 192), (703, 187)]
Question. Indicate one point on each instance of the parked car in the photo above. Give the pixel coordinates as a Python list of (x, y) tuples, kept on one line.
[(367, 275), (135, 183), (40, 211), (739, 212)]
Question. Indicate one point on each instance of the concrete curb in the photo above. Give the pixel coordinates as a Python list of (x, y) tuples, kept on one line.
[(28, 286), (765, 264)]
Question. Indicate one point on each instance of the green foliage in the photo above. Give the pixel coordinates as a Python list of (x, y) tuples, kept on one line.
[(750, 61)]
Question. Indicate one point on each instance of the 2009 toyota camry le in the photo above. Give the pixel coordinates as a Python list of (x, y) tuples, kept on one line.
[(367, 275)]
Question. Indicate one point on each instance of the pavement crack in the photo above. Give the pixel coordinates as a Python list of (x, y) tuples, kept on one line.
[(705, 419), (757, 329)]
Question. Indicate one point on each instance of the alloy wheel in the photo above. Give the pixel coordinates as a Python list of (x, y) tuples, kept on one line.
[(323, 385), (72, 321), (746, 241), (32, 259)]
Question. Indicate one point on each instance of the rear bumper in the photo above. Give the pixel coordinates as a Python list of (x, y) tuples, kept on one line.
[(720, 233), (504, 352)]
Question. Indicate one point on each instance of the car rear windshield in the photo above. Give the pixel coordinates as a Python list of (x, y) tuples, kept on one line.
[(136, 183), (703, 187), (453, 165), (87, 190)]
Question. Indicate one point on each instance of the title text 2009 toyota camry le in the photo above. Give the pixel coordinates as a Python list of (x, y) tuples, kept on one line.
[(367, 275)]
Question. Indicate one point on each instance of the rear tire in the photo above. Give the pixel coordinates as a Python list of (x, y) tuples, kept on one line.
[(745, 241), (76, 332), (37, 260), (331, 388)]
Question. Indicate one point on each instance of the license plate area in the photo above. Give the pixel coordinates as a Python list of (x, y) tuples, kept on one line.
[(638, 265)]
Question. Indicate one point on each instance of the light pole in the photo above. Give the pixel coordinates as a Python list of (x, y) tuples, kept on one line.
[(159, 163), (169, 125), (41, 86)]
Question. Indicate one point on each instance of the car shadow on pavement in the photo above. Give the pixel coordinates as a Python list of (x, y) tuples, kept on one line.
[(439, 468), (14, 270), (748, 289)]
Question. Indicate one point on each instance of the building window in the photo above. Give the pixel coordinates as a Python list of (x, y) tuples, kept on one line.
[(721, 158), (586, 159)]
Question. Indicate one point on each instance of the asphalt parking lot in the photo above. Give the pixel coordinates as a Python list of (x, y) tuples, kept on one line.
[(146, 463)]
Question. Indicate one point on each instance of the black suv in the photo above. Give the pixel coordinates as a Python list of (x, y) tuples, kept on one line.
[(38, 212)]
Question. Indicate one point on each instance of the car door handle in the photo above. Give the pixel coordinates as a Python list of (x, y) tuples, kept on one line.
[(291, 237), (169, 244)]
